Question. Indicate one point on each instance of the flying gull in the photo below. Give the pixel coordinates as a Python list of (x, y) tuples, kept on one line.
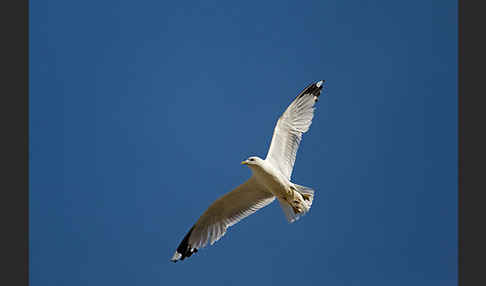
[(270, 179)]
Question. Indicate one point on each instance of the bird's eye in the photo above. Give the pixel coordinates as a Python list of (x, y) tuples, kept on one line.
[(252, 159)]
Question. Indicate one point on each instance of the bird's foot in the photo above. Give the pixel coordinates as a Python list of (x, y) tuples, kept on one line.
[(306, 197), (297, 210)]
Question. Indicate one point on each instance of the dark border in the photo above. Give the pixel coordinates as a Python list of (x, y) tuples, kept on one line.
[(14, 142), (471, 111)]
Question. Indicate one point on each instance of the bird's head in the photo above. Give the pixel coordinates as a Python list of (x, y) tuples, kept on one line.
[(253, 161)]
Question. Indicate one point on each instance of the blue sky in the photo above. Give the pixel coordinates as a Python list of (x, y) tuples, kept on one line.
[(141, 111)]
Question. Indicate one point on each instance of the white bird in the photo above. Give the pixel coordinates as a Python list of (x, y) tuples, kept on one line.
[(270, 179)]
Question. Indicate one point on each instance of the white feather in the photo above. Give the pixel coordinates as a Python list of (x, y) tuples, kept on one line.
[(287, 134)]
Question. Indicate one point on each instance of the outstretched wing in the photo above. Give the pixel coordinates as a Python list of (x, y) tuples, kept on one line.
[(295, 121), (226, 211)]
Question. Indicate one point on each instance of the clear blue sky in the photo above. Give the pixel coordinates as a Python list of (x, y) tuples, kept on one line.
[(141, 111)]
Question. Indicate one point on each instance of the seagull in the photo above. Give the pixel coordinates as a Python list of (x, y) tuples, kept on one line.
[(270, 179)]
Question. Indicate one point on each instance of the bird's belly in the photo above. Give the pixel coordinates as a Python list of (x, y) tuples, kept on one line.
[(275, 184)]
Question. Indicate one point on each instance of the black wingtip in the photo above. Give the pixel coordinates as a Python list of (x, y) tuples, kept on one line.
[(314, 89), (184, 249)]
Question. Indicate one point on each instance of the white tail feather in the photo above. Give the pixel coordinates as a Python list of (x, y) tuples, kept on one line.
[(306, 191)]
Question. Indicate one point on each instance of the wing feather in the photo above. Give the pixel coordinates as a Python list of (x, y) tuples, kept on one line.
[(287, 134), (226, 211)]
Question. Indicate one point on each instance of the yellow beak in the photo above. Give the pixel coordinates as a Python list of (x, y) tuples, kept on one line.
[(244, 163)]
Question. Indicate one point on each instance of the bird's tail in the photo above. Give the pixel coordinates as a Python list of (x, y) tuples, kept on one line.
[(293, 211)]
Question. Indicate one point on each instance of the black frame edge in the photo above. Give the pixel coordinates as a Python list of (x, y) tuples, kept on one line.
[(14, 211)]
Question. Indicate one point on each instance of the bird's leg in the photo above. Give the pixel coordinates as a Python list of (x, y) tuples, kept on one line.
[(294, 199)]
